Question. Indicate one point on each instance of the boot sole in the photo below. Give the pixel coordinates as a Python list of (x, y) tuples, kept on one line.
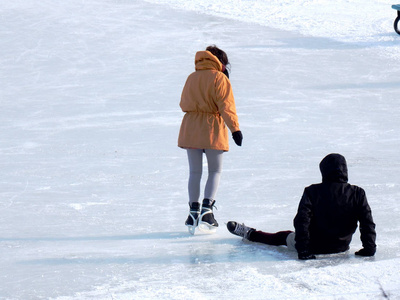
[(207, 228)]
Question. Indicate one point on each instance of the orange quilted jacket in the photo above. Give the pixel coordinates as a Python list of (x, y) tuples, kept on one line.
[(208, 102)]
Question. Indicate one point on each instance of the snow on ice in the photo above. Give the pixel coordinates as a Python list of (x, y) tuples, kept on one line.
[(93, 186)]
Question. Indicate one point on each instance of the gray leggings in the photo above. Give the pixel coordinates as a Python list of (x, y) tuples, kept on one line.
[(214, 161)]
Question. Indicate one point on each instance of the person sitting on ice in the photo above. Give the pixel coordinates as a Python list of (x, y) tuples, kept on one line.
[(326, 219)]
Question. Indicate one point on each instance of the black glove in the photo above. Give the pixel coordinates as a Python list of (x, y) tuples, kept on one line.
[(365, 252), (238, 137), (306, 255)]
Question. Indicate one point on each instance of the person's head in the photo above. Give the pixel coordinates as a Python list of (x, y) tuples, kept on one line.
[(334, 168), (222, 57)]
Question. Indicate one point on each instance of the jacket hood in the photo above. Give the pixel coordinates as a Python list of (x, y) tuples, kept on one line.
[(205, 60), (334, 168)]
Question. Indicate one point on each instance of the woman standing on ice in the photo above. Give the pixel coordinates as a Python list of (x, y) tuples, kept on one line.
[(208, 103)]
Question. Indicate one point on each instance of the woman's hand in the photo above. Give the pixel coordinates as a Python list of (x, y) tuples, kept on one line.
[(237, 137)]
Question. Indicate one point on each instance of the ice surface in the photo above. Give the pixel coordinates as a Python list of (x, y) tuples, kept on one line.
[(93, 186)]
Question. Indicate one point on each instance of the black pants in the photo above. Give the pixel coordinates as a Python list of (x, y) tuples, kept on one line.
[(275, 239)]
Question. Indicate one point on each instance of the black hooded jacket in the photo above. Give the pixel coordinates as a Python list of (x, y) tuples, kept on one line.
[(328, 212)]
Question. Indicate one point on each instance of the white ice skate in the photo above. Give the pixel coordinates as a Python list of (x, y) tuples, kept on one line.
[(193, 219), (207, 222)]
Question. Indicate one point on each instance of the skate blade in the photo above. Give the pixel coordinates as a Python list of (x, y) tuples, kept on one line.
[(205, 228), (191, 229)]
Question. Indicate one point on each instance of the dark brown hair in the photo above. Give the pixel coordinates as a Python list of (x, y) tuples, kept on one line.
[(221, 55)]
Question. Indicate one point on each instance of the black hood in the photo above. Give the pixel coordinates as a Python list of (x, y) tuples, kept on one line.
[(334, 168)]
